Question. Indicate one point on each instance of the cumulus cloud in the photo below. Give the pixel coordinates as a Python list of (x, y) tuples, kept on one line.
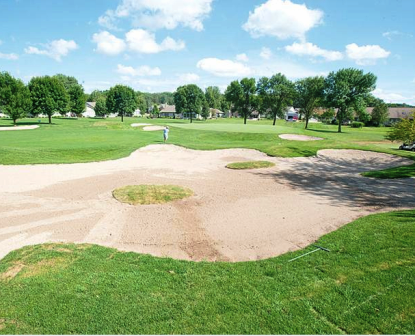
[(108, 44), (265, 53), (142, 41), (55, 49), (10, 57), (159, 14), (140, 71), (393, 97), (309, 49), (366, 55), (223, 68), (282, 19), (242, 58)]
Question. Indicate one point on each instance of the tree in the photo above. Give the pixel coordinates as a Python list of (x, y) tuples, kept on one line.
[(328, 115), (76, 99), (380, 113), (155, 111), (345, 87), (213, 97), (242, 96), (403, 131), (309, 95), (121, 99), (141, 102), (276, 94), (205, 110), (101, 107), (48, 96), (95, 95), (14, 97), (361, 111), (189, 99)]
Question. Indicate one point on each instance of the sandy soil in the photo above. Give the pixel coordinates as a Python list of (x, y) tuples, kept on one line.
[(299, 137), (139, 124), (234, 215), (19, 128), (153, 128)]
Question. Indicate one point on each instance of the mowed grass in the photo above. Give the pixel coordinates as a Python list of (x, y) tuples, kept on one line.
[(364, 285), (392, 173), (87, 140), (250, 165), (150, 194)]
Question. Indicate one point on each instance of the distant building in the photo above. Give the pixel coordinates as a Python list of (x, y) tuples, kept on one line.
[(89, 110), (216, 113), (168, 111), (396, 113)]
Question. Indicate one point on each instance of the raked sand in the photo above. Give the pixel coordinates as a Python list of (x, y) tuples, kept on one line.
[(233, 216)]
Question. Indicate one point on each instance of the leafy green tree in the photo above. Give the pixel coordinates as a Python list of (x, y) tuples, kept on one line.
[(121, 99), (101, 107), (14, 97), (242, 96), (141, 102), (344, 88), (380, 113), (309, 96), (328, 115), (155, 111), (189, 99), (213, 97), (48, 96), (76, 99), (403, 131), (276, 93), (95, 95), (224, 105), (205, 110)]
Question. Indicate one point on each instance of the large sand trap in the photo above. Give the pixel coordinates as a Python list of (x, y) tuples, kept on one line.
[(19, 128), (153, 128), (234, 215), (299, 137), (139, 124)]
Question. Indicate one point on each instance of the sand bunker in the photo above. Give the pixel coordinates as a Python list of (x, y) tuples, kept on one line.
[(153, 128), (233, 215), (139, 124), (18, 128), (298, 137)]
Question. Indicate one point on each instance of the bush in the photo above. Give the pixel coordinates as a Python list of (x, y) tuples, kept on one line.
[(357, 124)]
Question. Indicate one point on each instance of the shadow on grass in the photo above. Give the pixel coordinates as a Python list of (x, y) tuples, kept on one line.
[(322, 131)]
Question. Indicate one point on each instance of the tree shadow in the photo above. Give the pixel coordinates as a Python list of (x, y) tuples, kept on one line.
[(322, 131)]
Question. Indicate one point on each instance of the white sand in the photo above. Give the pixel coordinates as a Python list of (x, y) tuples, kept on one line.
[(153, 128), (298, 137), (19, 128), (234, 215), (139, 124)]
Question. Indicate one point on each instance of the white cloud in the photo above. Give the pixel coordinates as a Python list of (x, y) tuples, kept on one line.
[(282, 19), (10, 57), (309, 49), (366, 55), (265, 53), (108, 44), (142, 41), (55, 49), (159, 14), (223, 68), (393, 97), (394, 33), (140, 71), (242, 58), (188, 78)]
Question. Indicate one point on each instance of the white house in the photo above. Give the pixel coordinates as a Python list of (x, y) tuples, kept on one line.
[(89, 110)]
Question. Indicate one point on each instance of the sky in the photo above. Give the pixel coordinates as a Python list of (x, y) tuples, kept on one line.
[(158, 45)]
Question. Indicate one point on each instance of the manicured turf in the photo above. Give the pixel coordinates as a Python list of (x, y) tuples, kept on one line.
[(250, 165), (87, 140), (364, 285), (150, 194), (398, 172)]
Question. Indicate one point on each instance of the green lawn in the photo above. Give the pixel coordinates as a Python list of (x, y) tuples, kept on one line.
[(86, 140), (365, 284)]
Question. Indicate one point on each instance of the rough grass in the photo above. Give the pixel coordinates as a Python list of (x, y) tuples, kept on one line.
[(150, 194), (250, 165), (392, 173), (364, 285)]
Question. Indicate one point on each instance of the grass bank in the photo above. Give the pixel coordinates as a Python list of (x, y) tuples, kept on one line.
[(364, 285)]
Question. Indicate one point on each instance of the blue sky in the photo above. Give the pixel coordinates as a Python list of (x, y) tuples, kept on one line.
[(157, 45)]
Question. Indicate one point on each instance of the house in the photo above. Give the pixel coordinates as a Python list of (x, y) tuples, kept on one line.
[(215, 113), (168, 111), (396, 113), (291, 114), (89, 110), (137, 113)]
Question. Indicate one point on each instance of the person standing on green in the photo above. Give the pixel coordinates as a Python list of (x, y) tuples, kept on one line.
[(166, 134)]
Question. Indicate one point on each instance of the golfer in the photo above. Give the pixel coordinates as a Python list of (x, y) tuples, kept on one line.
[(166, 133)]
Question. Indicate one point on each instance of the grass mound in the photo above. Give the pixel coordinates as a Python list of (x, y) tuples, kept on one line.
[(364, 285), (392, 173), (250, 165), (150, 194)]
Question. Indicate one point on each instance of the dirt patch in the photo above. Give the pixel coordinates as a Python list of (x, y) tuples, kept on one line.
[(11, 272), (153, 128), (19, 128), (299, 137)]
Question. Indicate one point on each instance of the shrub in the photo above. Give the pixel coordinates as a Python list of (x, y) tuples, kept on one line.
[(357, 124)]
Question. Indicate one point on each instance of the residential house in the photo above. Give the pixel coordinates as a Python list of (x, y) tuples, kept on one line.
[(396, 113), (89, 110), (168, 111)]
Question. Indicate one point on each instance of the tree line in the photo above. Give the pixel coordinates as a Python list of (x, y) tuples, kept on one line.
[(343, 94)]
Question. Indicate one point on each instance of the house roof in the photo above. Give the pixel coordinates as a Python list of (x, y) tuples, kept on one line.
[(91, 104), (167, 108), (215, 110), (397, 112)]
